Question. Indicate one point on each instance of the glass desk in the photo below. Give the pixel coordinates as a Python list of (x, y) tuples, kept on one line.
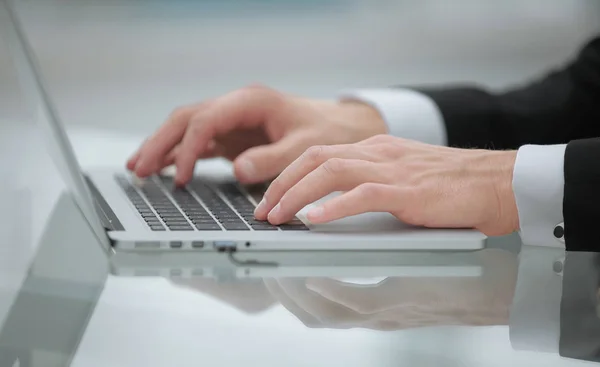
[(61, 304), (506, 305)]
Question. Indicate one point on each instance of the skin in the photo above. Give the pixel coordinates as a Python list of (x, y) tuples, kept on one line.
[(315, 147)]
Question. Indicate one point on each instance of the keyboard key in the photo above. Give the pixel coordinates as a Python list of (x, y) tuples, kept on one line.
[(199, 215), (293, 227), (181, 228), (177, 224), (174, 219), (262, 227), (170, 215), (207, 227), (228, 216), (157, 228), (203, 220), (235, 219), (235, 227)]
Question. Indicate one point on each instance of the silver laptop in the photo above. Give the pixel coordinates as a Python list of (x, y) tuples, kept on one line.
[(213, 213)]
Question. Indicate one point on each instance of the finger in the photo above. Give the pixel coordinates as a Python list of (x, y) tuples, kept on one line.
[(334, 175), (312, 158), (212, 152), (154, 150), (169, 160), (245, 108), (131, 163), (264, 162), (368, 197)]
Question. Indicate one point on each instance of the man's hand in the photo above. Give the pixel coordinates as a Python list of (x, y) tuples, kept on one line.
[(418, 183), (259, 129)]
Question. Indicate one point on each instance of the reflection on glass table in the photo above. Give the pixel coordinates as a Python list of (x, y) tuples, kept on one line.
[(49, 305), (387, 303), (580, 307)]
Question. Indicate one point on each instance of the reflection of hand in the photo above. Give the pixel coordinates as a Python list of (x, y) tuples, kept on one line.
[(399, 303), (247, 296), (259, 129), (418, 183)]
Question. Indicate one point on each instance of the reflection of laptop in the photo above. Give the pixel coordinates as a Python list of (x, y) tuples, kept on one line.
[(211, 213)]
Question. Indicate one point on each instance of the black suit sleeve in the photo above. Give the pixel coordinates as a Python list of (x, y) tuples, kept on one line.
[(562, 106)]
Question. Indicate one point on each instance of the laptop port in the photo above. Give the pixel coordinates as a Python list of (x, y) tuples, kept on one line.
[(197, 244), (176, 244), (223, 246)]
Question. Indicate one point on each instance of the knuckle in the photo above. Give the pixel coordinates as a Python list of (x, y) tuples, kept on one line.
[(179, 113), (387, 150), (334, 166), (380, 138), (285, 202), (262, 91), (256, 87), (193, 131), (273, 190), (268, 98), (315, 153), (372, 190)]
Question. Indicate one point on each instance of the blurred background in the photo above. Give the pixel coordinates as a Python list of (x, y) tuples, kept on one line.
[(125, 64)]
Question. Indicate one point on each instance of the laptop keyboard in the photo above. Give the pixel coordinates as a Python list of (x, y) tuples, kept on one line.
[(200, 207)]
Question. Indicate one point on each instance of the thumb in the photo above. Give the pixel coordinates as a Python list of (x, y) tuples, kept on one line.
[(264, 162)]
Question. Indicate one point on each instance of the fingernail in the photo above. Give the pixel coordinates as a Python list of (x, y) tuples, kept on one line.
[(275, 212), (315, 213), (246, 168), (260, 207)]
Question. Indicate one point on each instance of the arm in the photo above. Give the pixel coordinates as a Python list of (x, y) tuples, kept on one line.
[(559, 108), (554, 110), (581, 202)]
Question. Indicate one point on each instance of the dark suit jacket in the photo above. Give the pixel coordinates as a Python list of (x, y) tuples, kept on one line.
[(562, 107)]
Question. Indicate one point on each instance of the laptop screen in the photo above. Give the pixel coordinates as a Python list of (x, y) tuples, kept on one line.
[(56, 139)]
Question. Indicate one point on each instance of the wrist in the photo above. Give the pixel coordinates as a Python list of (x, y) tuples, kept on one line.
[(502, 215), (367, 119)]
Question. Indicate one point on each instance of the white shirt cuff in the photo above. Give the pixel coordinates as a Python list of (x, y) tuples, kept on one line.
[(538, 185), (407, 113)]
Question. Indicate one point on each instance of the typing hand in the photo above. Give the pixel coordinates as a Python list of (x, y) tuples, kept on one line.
[(402, 303), (259, 129), (418, 183)]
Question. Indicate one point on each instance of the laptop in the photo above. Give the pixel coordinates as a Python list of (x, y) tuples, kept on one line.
[(212, 213)]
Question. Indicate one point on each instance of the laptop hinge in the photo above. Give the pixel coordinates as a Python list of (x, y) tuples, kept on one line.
[(109, 220)]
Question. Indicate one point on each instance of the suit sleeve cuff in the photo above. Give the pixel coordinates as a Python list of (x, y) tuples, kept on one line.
[(407, 113), (538, 185)]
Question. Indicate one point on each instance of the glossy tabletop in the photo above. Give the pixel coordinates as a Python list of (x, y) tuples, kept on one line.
[(61, 304)]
